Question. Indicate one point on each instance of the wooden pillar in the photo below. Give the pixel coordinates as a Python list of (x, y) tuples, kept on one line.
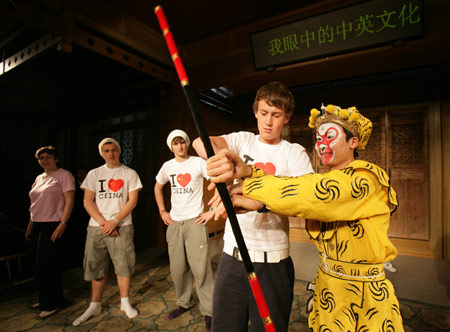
[(445, 116)]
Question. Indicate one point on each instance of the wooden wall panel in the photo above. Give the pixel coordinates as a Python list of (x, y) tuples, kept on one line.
[(375, 152), (226, 59), (408, 168), (411, 220), (446, 176)]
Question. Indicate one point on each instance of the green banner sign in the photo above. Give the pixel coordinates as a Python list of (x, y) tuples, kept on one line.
[(360, 26)]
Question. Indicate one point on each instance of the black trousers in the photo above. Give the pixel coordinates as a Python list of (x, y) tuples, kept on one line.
[(233, 302), (47, 267)]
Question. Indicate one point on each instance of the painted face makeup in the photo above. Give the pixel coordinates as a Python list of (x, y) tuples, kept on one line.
[(328, 135)]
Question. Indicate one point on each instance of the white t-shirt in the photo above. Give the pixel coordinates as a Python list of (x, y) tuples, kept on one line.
[(186, 186), (266, 231), (111, 187)]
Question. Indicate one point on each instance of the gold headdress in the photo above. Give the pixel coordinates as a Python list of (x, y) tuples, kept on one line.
[(348, 118)]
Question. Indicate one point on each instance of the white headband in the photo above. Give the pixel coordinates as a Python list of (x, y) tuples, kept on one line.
[(177, 133), (105, 141)]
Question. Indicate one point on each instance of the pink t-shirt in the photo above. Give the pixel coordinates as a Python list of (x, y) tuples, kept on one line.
[(47, 195)]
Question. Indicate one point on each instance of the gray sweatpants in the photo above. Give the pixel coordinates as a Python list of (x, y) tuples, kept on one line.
[(188, 254)]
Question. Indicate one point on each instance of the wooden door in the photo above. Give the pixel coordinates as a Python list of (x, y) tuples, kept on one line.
[(408, 169)]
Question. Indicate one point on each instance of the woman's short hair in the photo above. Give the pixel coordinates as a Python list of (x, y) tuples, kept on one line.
[(46, 149)]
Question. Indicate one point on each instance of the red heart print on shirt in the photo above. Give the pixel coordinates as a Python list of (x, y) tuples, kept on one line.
[(268, 167), (184, 179), (115, 185)]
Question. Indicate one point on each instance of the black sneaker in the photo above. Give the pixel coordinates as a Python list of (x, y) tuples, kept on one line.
[(208, 320), (177, 312)]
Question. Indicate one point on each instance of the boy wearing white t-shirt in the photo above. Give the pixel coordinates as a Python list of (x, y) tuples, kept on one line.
[(187, 234), (110, 195), (266, 235)]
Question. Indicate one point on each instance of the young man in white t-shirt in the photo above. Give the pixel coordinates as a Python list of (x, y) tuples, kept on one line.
[(110, 195), (187, 234), (266, 234)]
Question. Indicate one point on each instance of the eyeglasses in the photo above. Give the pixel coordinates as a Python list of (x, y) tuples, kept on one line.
[(45, 157)]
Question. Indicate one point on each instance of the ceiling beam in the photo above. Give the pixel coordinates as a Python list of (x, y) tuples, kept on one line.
[(102, 37), (100, 46), (28, 52)]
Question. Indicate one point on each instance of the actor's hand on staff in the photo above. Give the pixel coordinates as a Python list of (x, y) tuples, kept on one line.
[(216, 202), (241, 205), (233, 189), (244, 204), (205, 217), (59, 231), (225, 166), (165, 216)]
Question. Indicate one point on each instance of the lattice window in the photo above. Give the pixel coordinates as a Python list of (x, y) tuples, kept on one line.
[(407, 144), (127, 147), (128, 131)]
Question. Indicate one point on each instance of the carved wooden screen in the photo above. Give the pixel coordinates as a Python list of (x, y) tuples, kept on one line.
[(375, 151), (408, 166)]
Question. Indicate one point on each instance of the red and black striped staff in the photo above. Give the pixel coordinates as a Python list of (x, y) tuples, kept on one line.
[(221, 187)]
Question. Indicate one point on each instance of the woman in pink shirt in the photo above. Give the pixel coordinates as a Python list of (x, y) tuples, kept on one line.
[(52, 201)]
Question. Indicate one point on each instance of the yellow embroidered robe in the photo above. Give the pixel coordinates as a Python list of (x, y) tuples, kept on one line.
[(347, 214)]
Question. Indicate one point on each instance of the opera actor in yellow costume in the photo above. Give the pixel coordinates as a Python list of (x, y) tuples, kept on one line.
[(347, 211)]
